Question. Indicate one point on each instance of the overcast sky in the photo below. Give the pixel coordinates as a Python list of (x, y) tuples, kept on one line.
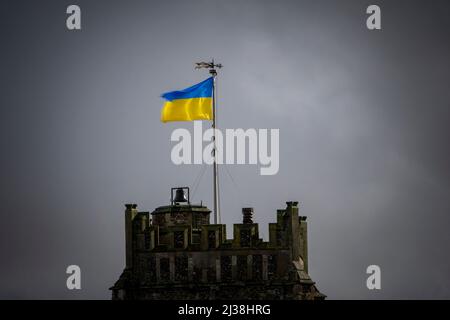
[(363, 118)]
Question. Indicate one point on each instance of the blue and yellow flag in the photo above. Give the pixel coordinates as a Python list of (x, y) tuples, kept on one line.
[(193, 103)]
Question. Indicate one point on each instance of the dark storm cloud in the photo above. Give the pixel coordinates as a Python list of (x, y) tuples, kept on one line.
[(363, 118)]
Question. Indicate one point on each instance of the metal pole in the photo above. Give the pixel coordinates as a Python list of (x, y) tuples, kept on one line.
[(216, 210), (212, 70)]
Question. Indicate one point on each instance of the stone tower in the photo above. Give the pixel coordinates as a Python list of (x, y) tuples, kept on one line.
[(175, 253)]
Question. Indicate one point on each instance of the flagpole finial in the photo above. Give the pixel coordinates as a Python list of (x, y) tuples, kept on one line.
[(208, 65)]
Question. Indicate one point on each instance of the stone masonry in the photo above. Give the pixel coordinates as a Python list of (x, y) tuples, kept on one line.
[(175, 253)]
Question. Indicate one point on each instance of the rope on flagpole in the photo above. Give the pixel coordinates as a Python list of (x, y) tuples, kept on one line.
[(197, 180)]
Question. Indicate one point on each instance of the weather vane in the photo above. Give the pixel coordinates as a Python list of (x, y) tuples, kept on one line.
[(208, 65)]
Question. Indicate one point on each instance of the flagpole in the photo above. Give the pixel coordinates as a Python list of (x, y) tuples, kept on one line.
[(212, 70), (216, 208)]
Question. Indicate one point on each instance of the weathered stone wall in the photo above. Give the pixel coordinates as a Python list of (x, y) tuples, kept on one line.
[(178, 255), (275, 291)]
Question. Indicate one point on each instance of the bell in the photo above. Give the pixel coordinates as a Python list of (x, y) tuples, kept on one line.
[(180, 196)]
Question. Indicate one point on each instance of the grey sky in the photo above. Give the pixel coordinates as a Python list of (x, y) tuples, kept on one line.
[(363, 118)]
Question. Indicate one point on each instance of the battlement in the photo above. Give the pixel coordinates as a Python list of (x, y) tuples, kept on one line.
[(175, 245)]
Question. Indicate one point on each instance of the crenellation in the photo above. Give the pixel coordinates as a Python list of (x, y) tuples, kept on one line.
[(176, 245)]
